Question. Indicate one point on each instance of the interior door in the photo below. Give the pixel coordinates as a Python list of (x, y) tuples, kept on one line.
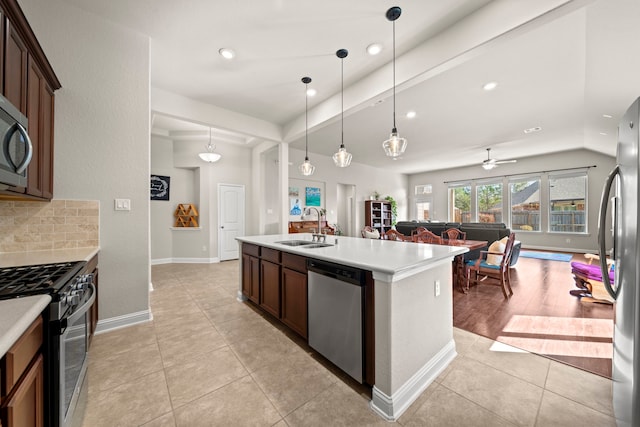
[(231, 219)]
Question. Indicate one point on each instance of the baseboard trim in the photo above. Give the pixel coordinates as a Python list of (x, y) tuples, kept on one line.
[(119, 322), (185, 261), (392, 407)]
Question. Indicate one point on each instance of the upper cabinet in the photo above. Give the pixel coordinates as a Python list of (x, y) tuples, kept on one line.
[(28, 82)]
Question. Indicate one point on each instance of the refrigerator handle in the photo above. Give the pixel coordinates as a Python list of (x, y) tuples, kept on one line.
[(604, 202)]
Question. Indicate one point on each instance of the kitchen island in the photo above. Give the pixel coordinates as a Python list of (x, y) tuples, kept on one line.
[(411, 307)]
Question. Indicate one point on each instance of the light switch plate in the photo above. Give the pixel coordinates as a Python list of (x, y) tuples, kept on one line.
[(123, 204)]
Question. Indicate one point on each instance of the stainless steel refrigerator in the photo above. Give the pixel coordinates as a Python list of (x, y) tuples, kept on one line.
[(621, 195)]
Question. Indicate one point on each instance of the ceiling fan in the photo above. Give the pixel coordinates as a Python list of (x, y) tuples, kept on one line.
[(492, 163)]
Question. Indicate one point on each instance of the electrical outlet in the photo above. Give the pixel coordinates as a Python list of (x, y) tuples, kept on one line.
[(204, 249), (436, 288), (568, 240)]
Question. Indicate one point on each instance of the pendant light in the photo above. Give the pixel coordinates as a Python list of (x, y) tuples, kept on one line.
[(342, 158), (306, 168), (394, 146), (210, 156)]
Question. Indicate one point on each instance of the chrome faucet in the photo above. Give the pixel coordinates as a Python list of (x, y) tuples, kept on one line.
[(316, 237)]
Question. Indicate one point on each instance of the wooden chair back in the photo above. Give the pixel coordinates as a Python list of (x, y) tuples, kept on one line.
[(478, 270), (394, 235), (427, 236), (454, 234)]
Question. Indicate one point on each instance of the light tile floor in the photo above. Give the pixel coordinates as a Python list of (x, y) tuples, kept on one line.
[(209, 360)]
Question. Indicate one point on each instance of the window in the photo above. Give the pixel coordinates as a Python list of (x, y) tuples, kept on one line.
[(525, 204), (460, 203), (568, 203), (489, 202), (424, 202)]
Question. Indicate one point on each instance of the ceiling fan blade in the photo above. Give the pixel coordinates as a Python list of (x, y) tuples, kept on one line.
[(501, 162)]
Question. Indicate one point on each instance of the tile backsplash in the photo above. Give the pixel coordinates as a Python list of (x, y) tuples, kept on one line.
[(59, 224)]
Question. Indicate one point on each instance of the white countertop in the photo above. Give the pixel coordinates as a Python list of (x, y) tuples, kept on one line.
[(384, 256), (16, 315), (16, 259)]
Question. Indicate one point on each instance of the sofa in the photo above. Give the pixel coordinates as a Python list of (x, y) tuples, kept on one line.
[(489, 232)]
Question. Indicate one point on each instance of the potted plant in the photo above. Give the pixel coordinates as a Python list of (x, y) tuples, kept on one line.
[(375, 195)]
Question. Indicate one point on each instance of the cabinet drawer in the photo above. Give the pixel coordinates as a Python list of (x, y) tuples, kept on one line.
[(294, 262), (272, 255), (250, 249), (20, 355)]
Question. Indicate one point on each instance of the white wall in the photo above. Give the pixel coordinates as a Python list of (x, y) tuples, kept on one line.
[(563, 160), (102, 126), (194, 181), (366, 179)]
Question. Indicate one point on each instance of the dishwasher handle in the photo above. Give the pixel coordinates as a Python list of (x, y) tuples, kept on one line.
[(344, 273)]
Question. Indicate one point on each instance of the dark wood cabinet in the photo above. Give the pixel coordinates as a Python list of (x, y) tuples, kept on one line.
[(377, 215), (283, 284), (40, 101), (251, 272), (29, 83), (294, 300), (270, 287), (15, 68), (310, 227), (22, 385)]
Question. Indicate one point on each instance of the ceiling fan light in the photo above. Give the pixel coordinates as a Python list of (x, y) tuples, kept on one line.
[(488, 166), (394, 146), (342, 158), (306, 168)]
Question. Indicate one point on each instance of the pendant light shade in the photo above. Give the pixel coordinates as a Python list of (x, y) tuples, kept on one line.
[(394, 146), (210, 156), (306, 168), (342, 158)]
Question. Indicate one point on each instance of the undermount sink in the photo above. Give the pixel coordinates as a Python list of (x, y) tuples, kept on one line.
[(304, 243), (296, 242)]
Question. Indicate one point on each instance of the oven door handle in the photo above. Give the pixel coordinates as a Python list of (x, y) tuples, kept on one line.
[(84, 307)]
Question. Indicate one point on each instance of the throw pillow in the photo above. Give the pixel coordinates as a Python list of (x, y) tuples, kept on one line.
[(375, 234), (496, 246)]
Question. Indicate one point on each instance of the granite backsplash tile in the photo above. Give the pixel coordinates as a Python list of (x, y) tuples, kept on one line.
[(59, 224)]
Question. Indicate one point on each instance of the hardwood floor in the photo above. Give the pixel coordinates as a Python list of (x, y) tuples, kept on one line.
[(541, 316)]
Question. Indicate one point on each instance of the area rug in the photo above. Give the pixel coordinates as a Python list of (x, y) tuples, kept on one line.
[(550, 256)]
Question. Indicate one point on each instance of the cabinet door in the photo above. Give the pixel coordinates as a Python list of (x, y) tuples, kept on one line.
[(15, 69), (270, 287), (251, 277), (294, 300), (40, 113), (26, 406)]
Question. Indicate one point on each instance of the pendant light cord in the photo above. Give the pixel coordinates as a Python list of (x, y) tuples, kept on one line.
[(342, 101), (306, 121), (394, 75)]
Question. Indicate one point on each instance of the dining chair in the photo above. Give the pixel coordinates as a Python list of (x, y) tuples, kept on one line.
[(427, 236), (454, 234), (395, 235), (369, 232), (417, 230), (481, 271)]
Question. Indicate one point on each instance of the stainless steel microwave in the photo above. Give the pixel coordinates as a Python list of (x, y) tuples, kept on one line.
[(16, 146)]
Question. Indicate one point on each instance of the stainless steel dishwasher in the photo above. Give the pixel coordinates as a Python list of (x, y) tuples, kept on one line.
[(335, 314)]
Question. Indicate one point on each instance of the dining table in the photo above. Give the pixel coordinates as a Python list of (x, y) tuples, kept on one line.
[(459, 270)]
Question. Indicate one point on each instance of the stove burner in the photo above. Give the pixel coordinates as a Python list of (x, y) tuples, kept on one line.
[(36, 279)]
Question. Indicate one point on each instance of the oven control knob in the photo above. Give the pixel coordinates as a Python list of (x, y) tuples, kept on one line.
[(73, 298)]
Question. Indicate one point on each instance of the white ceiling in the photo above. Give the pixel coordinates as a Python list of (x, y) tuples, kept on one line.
[(558, 66)]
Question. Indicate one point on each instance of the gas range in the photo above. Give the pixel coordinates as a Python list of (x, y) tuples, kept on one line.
[(60, 280)]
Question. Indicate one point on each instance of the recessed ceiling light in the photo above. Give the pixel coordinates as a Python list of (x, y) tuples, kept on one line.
[(490, 86), (411, 114), (603, 133), (533, 129), (607, 116), (311, 92), (227, 53), (374, 49)]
